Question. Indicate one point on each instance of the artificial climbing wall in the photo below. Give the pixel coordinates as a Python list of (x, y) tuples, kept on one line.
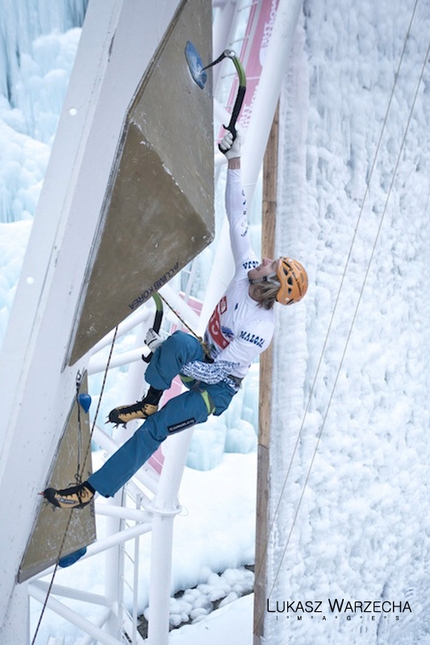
[(158, 209), (58, 533)]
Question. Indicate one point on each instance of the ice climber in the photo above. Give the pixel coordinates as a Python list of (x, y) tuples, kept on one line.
[(240, 328)]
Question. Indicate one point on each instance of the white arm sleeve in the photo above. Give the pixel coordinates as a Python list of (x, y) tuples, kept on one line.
[(235, 203)]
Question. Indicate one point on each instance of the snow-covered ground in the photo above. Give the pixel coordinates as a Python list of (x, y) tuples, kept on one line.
[(350, 475)]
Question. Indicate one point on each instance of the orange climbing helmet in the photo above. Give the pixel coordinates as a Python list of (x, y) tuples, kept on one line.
[(293, 280)]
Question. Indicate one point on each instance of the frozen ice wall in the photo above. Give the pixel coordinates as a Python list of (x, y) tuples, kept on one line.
[(38, 41), (21, 25), (350, 461)]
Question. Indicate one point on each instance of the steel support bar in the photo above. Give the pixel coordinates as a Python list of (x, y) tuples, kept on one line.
[(117, 538), (179, 305), (162, 531), (114, 569), (89, 640), (107, 543), (122, 512), (143, 314), (97, 363), (72, 617), (69, 592)]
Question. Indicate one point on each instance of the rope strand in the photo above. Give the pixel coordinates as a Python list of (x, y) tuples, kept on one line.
[(186, 325)]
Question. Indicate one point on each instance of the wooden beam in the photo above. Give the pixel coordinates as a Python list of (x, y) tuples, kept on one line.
[(270, 166)]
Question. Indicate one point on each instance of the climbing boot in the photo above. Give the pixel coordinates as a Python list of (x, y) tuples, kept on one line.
[(72, 497), (139, 410)]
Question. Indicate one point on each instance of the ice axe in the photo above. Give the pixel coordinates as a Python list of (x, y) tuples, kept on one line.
[(198, 72)]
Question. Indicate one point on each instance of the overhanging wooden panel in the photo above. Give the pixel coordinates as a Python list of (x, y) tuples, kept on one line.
[(158, 211), (53, 535)]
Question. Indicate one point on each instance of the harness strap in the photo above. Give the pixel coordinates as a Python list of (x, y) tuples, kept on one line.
[(208, 401), (187, 380)]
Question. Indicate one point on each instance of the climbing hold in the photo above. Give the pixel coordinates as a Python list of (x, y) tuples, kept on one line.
[(84, 401), (70, 559), (195, 64)]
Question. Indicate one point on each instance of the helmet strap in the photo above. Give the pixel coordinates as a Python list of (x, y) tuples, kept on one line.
[(266, 278)]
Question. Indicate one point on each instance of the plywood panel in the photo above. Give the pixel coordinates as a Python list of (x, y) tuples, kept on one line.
[(58, 532)]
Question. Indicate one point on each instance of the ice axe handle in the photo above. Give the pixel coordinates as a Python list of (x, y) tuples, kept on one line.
[(158, 319), (231, 127)]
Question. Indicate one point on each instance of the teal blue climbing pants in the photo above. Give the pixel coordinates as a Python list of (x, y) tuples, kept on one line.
[(183, 411)]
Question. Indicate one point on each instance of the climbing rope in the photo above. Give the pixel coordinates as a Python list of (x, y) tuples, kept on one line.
[(78, 476), (321, 429), (187, 326)]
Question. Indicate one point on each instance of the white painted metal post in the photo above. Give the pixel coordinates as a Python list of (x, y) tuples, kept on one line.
[(165, 508), (113, 573), (269, 88), (225, 23)]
